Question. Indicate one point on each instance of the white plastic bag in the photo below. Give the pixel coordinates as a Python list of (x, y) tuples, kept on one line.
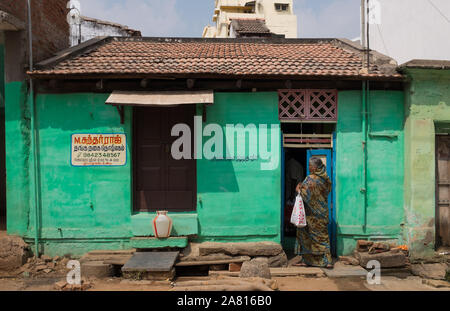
[(298, 217)]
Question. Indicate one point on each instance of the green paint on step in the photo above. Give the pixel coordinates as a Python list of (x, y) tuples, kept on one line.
[(148, 243), (183, 224)]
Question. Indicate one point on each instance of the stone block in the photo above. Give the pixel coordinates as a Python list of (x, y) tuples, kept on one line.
[(386, 260), (96, 269), (255, 268), (435, 271), (255, 249), (278, 261)]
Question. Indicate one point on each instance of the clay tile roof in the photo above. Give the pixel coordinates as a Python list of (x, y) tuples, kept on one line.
[(250, 26), (214, 58), (427, 64)]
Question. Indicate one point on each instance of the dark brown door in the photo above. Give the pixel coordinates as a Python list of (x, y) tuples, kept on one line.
[(161, 182), (443, 191)]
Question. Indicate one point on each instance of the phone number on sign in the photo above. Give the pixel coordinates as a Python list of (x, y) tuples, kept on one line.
[(99, 155)]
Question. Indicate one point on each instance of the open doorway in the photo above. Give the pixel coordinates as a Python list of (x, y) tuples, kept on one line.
[(300, 143)]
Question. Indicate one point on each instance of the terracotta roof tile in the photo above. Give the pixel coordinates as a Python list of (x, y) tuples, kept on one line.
[(246, 26), (115, 56)]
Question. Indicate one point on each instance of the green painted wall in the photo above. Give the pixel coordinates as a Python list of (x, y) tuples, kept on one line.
[(427, 108), (382, 217), (85, 208), (18, 158), (81, 202), (238, 200)]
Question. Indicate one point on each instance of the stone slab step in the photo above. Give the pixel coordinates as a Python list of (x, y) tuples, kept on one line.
[(279, 272), (151, 262), (345, 271), (252, 249), (213, 262)]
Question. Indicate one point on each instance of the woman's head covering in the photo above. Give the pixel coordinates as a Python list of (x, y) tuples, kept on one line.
[(316, 162)]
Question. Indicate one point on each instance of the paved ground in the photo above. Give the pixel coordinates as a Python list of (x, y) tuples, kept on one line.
[(285, 284)]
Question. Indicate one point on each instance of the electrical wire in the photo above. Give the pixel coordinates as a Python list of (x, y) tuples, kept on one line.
[(440, 12)]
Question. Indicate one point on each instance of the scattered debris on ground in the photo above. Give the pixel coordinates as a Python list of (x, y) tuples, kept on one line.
[(64, 286), (436, 283), (227, 284), (434, 271), (14, 253)]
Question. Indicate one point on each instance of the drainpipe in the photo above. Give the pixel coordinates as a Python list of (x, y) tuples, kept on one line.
[(364, 147), (33, 136)]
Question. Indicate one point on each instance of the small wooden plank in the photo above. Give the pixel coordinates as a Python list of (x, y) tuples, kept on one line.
[(224, 273), (212, 262), (296, 271)]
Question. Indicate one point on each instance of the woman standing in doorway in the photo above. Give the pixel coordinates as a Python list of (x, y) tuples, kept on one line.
[(313, 242)]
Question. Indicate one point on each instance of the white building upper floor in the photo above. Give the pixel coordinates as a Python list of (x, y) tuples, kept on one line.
[(278, 15)]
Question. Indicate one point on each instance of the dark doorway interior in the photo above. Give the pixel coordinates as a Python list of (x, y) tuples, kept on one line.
[(295, 162), (160, 181)]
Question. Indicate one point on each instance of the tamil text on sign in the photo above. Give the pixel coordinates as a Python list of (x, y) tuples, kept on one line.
[(99, 150)]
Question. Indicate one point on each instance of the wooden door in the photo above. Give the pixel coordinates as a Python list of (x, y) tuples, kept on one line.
[(161, 182), (443, 191)]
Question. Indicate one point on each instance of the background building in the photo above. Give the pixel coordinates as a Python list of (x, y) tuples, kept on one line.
[(278, 15), (83, 28), (410, 29)]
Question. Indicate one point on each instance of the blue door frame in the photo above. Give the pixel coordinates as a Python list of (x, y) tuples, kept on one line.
[(330, 155)]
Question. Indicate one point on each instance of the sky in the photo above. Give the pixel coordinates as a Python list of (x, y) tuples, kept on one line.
[(187, 18)]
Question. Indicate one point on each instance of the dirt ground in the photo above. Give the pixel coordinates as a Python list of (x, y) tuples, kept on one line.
[(284, 284)]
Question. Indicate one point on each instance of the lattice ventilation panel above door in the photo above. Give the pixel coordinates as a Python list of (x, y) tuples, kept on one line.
[(308, 105), (308, 141)]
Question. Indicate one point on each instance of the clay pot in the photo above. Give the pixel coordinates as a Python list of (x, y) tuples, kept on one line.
[(162, 225)]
